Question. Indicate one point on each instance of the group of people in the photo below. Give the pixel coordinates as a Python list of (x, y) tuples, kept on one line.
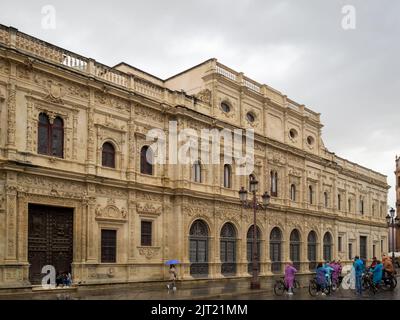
[(379, 270), (331, 272), (326, 273), (63, 279)]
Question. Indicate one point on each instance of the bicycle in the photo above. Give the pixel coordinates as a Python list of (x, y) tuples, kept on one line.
[(280, 286), (314, 288), (367, 283)]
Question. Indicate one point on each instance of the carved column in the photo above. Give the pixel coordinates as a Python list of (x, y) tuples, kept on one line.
[(11, 224), (11, 119), (89, 207), (75, 135), (131, 145), (91, 145)]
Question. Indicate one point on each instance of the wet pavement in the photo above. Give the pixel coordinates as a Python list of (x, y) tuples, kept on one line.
[(238, 290)]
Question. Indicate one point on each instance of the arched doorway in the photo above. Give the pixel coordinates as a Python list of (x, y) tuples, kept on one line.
[(327, 247), (312, 250), (250, 240), (276, 250), (228, 249), (295, 248), (198, 246)]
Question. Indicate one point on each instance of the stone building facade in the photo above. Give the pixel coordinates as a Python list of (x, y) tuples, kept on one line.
[(75, 192)]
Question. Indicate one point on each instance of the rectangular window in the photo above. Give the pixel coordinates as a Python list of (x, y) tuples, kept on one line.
[(340, 244), (363, 247), (146, 233), (350, 251), (374, 251), (108, 246), (382, 247)]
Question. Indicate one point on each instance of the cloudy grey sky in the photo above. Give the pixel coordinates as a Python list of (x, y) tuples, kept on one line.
[(298, 47)]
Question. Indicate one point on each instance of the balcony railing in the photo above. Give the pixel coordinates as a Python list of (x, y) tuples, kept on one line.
[(11, 37)]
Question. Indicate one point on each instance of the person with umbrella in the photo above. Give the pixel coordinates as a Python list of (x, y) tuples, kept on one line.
[(173, 275)]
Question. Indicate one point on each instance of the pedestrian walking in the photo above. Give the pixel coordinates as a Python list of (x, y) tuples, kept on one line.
[(172, 277), (359, 270), (290, 273)]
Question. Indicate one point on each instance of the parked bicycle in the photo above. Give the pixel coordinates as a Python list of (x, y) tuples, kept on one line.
[(386, 284), (314, 288), (280, 286)]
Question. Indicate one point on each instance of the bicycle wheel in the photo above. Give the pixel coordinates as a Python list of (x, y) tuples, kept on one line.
[(296, 286), (313, 288), (394, 283), (279, 288)]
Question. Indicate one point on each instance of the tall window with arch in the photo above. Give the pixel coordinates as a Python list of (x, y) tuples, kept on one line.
[(50, 136), (196, 172), (274, 183), (293, 192), (108, 155), (146, 160), (227, 176)]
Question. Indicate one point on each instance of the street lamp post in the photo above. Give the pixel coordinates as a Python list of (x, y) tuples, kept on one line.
[(392, 222), (254, 204)]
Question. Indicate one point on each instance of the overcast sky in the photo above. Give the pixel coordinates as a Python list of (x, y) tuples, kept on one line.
[(298, 47)]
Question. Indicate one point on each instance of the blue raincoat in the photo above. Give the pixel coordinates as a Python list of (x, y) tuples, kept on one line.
[(359, 268), (377, 272), (321, 276)]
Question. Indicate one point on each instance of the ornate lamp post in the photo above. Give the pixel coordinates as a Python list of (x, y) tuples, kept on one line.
[(254, 204), (392, 222)]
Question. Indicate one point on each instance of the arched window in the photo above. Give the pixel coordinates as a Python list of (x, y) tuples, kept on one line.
[(228, 249), (250, 241), (274, 183), (326, 199), (50, 136), (146, 160), (339, 202), (275, 250), (295, 248), (327, 247), (108, 155), (312, 250), (310, 194), (293, 192), (227, 176), (196, 172), (198, 249)]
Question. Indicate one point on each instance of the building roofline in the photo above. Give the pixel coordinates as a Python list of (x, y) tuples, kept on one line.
[(191, 68), (135, 68)]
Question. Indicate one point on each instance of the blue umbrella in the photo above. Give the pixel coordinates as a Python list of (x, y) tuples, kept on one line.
[(169, 262)]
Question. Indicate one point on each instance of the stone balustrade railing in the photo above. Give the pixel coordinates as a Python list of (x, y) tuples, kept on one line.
[(17, 40)]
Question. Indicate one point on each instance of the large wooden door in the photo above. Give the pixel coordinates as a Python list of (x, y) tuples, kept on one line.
[(49, 240)]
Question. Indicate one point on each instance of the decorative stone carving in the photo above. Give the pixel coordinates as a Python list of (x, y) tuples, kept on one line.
[(110, 212), (144, 114), (4, 66), (11, 120), (205, 96), (149, 208), (149, 252)]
